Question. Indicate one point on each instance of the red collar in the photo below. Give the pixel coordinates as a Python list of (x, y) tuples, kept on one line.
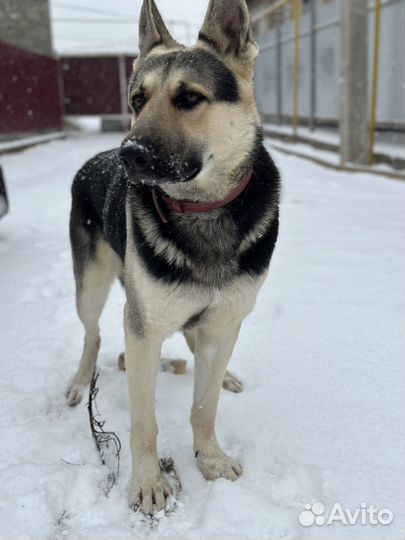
[(185, 207)]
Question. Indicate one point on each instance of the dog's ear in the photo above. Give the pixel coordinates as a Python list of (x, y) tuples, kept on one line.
[(227, 29), (152, 29)]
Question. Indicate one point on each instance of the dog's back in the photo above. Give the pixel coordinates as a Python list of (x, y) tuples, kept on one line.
[(98, 207)]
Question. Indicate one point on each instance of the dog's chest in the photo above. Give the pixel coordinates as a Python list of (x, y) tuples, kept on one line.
[(212, 245), (190, 249), (174, 305)]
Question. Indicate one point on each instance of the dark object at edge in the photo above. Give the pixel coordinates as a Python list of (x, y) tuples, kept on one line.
[(3, 196)]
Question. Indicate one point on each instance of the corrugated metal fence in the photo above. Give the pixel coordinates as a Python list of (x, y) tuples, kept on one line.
[(30, 91), (36, 91), (95, 85), (319, 67)]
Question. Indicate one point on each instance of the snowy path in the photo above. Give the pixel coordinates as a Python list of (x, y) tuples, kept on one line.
[(322, 416)]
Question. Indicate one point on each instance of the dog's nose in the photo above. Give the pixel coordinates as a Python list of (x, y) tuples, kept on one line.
[(135, 156)]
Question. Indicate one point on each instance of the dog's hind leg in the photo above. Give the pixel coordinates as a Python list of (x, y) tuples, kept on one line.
[(230, 382), (177, 366), (94, 275)]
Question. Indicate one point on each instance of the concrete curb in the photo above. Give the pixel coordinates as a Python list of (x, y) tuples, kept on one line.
[(27, 142)]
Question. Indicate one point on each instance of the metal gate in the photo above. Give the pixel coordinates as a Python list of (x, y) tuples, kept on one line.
[(96, 85)]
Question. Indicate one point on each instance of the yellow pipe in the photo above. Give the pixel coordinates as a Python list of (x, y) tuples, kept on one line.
[(297, 24), (374, 87)]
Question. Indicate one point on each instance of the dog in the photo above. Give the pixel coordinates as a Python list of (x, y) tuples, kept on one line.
[(185, 214)]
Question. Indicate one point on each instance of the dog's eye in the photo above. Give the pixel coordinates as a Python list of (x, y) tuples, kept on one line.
[(188, 100), (137, 102)]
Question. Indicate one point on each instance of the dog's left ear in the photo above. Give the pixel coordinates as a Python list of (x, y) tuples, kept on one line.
[(228, 30), (152, 29)]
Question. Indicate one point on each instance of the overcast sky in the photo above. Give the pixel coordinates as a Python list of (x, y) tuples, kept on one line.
[(112, 26)]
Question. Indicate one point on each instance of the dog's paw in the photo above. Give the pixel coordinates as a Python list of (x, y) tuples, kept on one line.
[(231, 383), (149, 495), (216, 464), (121, 362), (75, 394), (178, 366)]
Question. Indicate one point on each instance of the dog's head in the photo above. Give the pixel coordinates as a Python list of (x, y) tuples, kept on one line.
[(194, 116)]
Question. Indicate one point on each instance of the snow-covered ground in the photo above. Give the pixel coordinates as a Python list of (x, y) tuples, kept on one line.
[(389, 144), (322, 416)]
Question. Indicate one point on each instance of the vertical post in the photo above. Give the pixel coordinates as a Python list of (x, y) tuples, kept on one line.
[(374, 87), (312, 105), (353, 86), (297, 24), (279, 77)]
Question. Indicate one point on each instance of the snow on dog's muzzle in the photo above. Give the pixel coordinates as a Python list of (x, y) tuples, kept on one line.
[(149, 163)]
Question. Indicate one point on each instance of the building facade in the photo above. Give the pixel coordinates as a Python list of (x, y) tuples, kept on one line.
[(320, 65), (26, 25)]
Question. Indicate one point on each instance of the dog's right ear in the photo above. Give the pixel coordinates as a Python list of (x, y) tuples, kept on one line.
[(228, 30), (152, 29)]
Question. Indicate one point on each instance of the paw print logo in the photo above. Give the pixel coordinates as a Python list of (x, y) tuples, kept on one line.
[(312, 514)]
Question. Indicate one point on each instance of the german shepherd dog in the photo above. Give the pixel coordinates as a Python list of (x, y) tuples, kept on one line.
[(185, 214)]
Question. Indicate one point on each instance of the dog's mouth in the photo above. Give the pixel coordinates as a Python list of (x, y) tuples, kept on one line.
[(151, 179), (162, 176)]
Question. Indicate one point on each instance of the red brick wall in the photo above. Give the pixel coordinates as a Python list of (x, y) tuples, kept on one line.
[(30, 93)]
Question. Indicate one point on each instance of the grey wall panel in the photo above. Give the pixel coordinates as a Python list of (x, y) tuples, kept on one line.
[(391, 87), (328, 72), (391, 80), (305, 76), (287, 79), (265, 77)]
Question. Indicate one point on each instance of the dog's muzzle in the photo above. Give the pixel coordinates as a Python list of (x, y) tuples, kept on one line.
[(144, 163), (136, 156)]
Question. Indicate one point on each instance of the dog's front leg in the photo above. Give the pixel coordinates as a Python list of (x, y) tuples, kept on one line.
[(214, 345), (142, 354)]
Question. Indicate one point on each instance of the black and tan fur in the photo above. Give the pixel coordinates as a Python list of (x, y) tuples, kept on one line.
[(194, 133)]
